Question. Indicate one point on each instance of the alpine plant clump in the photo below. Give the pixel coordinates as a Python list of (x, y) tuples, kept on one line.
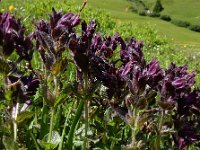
[(158, 107)]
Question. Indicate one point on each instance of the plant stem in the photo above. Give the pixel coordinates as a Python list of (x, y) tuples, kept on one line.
[(64, 129), (15, 122), (134, 127), (85, 144), (44, 120), (159, 130), (51, 125), (35, 142), (73, 126)]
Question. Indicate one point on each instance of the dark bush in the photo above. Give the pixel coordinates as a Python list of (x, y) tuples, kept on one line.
[(194, 28), (153, 14), (158, 7), (165, 17), (142, 13), (180, 23), (133, 9)]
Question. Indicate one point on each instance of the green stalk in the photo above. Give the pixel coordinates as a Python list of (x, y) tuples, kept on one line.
[(51, 125), (73, 126), (64, 129), (35, 142), (15, 122), (85, 144), (159, 130), (53, 110), (134, 127), (62, 137), (44, 120), (83, 102)]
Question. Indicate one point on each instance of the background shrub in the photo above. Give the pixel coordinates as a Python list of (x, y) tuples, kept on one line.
[(142, 13), (154, 14), (194, 28), (158, 7), (133, 9), (165, 17), (180, 23)]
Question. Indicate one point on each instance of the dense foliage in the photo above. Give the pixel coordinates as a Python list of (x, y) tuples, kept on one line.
[(165, 17), (180, 23), (158, 7), (65, 67)]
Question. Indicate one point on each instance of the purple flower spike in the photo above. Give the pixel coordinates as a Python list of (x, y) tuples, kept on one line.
[(23, 87), (126, 69), (154, 73), (91, 28), (179, 83), (12, 37)]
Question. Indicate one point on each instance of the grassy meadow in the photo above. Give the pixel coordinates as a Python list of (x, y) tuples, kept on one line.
[(187, 10), (119, 9), (101, 78)]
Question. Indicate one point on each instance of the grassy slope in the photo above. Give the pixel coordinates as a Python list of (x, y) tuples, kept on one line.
[(187, 10), (118, 9)]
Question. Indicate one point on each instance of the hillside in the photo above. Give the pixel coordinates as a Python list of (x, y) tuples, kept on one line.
[(187, 10), (119, 9)]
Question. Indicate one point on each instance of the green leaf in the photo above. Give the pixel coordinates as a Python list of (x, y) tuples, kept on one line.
[(9, 143), (55, 140), (59, 66), (65, 92), (56, 67), (44, 121), (23, 116), (4, 129), (4, 66), (8, 95), (74, 124)]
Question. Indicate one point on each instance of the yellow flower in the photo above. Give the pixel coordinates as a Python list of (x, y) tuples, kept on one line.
[(11, 8)]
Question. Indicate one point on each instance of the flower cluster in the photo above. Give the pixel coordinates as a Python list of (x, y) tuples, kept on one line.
[(132, 85), (12, 38), (22, 87), (51, 38), (177, 93)]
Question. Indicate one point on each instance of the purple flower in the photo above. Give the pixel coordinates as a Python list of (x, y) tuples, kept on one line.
[(12, 37), (184, 82), (43, 26), (96, 42), (90, 29), (177, 82), (23, 87), (126, 69), (154, 73), (52, 37), (187, 136)]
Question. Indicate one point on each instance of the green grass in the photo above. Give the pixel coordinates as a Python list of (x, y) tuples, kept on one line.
[(119, 10), (187, 10)]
